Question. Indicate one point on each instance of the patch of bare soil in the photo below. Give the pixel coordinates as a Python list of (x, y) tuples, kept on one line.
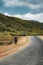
[(41, 37), (5, 50)]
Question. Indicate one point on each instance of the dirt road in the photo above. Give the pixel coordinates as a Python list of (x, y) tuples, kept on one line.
[(9, 49), (31, 55)]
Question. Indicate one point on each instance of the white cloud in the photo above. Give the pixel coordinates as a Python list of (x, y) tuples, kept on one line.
[(13, 3), (36, 6), (28, 16), (10, 3), (7, 14)]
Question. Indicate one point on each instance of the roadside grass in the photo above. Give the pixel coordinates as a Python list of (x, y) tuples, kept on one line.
[(6, 37)]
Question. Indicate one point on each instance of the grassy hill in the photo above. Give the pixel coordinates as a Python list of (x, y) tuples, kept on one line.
[(15, 26)]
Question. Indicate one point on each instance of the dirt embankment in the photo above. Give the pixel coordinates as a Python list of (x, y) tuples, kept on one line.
[(41, 37), (5, 50)]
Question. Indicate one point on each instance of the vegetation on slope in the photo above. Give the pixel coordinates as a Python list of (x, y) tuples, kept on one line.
[(15, 26)]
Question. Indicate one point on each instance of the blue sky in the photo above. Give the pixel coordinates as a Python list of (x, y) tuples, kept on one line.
[(25, 9)]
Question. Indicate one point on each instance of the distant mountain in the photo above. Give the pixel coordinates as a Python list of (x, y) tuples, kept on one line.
[(18, 26)]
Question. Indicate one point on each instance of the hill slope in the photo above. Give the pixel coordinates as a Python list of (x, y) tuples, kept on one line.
[(18, 26)]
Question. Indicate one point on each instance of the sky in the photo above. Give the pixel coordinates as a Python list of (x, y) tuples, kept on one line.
[(24, 9)]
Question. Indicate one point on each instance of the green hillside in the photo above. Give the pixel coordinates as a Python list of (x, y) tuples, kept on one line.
[(15, 26)]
